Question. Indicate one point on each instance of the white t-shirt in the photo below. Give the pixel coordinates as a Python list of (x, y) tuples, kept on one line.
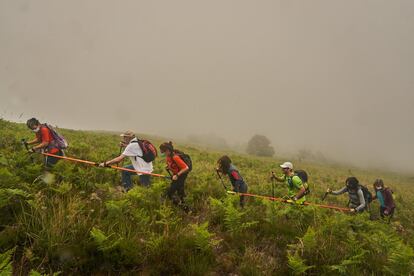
[(134, 151)]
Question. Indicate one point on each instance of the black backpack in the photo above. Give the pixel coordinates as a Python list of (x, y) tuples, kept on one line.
[(149, 152), (303, 175), (186, 158), (367, 194)]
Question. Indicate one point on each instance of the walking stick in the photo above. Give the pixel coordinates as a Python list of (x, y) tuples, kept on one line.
[(24, 142), (221, 180), (273, 184)]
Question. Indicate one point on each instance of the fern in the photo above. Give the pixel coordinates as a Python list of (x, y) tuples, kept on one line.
[(6, 195), (400, 260), (103, 242), (167, 219), (5, 262), (203, 239), (297, 264), (343, 267)]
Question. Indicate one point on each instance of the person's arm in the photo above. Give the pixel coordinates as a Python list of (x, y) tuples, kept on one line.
[(278, 178), (34, 141), (297, 182), (182, 165), (388, 201), (338, 192), (112, 161), (44, 139), (42, 145), (361, 201)]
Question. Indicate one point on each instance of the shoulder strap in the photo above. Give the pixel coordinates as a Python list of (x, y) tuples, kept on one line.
[(139, 144)]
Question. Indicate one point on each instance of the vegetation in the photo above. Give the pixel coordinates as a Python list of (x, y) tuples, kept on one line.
[(73, 220), (259, 145)]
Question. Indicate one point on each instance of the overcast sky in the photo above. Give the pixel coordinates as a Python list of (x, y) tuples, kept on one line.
[(335, 76)]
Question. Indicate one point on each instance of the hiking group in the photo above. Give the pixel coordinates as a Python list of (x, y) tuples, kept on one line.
[(142, 153)]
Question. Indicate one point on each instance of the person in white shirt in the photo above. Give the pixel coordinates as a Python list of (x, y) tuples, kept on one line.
[(134, 152)]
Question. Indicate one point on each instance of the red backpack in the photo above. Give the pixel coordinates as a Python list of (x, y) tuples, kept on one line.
[(149, 152)]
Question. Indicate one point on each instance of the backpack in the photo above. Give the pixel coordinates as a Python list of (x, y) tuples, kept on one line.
[(186, 158), (303, 175), (58, 140), (367, 194), (149, 152)]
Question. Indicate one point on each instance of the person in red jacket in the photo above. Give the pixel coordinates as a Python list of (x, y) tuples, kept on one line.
[(385, 198), (179, 171), (44, 141)]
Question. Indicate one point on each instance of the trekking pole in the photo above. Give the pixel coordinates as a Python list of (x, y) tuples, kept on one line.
[(325, 195), (24, 142), (273, 184), (221, 180), (120, 151), (96, 164), (169, 172)]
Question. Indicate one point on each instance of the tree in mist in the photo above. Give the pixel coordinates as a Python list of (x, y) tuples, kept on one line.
[(260, 145)]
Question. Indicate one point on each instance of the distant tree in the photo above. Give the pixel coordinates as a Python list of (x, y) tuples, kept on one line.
[(260, 145)]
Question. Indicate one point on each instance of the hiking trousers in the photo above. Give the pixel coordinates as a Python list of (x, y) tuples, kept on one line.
[(177, 186)]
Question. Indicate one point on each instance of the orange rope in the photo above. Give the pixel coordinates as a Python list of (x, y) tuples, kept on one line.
[(96, 164), (291, 201)]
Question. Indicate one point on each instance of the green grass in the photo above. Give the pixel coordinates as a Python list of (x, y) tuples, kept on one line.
[(74, 221)]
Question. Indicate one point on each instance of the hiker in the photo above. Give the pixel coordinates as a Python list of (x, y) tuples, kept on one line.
[(141, 153), (226, 167), (385, 198), (45, 141), (178, 169), (357, 199), (296, 187)]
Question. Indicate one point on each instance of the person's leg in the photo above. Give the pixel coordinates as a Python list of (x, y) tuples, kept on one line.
[(382, 209), (181, 192), (243, 189), (145, 180), (126, 177), (172, 190), (180, 186), (51, 161)]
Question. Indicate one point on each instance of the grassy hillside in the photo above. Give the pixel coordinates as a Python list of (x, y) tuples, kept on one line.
[(74, 221)]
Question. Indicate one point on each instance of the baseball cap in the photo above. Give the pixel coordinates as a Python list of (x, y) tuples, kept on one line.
[(127, 134), (287, 165)]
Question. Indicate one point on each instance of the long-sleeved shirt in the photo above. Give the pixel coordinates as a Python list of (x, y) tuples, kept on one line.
[(356, 198)]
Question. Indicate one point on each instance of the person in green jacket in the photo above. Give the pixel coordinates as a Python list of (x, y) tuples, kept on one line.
[(296, 189)]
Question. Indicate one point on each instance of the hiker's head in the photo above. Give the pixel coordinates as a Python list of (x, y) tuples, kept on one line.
[(287, 168), (167, 148), (378, 184), (224, 164), (352, 183), (33, 124), (127, 136)]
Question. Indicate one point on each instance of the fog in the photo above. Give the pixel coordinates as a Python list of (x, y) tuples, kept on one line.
[(331, 76)]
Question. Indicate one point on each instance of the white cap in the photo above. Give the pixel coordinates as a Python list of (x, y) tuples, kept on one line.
[(127, 134), (287, 165)]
